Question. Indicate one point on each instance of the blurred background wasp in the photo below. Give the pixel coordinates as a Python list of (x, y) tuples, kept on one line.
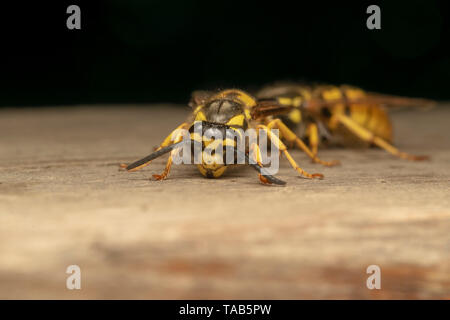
[(230, 110), (344, 113)]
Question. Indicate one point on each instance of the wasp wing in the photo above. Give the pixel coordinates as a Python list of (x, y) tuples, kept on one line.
[(398, 101), (389, 101), (269, 107)]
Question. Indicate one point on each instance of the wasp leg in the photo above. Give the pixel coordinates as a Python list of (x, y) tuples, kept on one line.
[(167, 142), (283, 149), (166, 171), (291, 137), (256, 152), (266, 176), (169, 139), (313, 133), (368, 136)]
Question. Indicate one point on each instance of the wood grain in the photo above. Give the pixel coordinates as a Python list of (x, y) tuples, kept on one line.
[(63, 201)]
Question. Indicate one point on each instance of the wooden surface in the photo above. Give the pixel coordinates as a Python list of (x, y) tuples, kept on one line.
[(63, 201)]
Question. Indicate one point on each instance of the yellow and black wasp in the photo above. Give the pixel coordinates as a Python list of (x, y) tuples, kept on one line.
[(345, 112), (227, 110)]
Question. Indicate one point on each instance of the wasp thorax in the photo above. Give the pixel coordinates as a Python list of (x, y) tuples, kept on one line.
[(220, 111)]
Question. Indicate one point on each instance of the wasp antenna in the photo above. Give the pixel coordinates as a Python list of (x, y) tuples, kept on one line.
[(262, 170), (269, 177), (145, 161)]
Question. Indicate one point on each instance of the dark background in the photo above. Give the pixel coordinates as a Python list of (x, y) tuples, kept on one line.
[(159, 51)]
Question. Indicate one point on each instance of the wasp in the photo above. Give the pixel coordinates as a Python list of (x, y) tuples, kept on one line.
[(354, 116), (228, 111)]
